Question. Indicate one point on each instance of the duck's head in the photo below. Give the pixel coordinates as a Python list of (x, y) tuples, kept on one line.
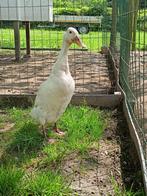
[(72, 36)]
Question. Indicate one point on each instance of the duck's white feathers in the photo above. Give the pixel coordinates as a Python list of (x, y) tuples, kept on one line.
[(56, 92), (53, 97)]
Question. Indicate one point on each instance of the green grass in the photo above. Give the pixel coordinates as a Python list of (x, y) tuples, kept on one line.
[(52, 39), (29, 165), (119, 192), (47, 183), (10, 178), (42, 39)]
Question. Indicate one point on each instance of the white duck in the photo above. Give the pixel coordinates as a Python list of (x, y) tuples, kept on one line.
[(55, 93)]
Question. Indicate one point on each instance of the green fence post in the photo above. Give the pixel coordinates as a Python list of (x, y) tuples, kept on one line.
[(114, 26), (136, 7)]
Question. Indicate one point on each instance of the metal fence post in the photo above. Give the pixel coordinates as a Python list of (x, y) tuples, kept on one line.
[(114, 26)]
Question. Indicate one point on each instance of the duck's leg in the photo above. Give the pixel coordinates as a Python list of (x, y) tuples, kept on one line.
[(43, 128), (58, 131), (44, 131)]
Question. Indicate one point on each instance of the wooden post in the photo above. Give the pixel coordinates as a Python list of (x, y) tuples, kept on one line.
[(28, 50), (17, 40)]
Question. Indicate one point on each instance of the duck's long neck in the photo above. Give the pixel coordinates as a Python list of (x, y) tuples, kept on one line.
[(64, 49), (62, 60)]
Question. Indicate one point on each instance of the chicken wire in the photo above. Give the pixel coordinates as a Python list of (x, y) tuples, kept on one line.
[(129, 47), (88, 67)]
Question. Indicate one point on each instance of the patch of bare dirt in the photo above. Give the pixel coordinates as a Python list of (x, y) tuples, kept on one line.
[(6, 127), (97, 172), (89, 70)]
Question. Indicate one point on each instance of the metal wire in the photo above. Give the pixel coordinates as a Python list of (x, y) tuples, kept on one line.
[(88, 67), (132, 61)]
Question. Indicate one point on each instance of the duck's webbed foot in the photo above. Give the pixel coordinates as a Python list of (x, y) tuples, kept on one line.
[(58, 131)]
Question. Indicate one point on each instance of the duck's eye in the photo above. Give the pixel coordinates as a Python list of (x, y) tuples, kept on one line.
[(70, 31)]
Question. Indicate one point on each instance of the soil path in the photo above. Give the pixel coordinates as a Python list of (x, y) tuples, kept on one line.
[(102, 171)]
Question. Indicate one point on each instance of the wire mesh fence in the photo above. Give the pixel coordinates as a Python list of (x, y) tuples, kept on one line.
[(31, 34), (128, 44), (46, 28)]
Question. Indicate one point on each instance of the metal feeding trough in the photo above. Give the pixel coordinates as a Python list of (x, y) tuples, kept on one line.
[(27, 11)]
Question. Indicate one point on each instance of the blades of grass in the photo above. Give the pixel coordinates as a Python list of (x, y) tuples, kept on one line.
[(48, 183), (27, 138), (10, 179)]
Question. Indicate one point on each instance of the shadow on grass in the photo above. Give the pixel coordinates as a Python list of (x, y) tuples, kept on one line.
[(27, 142), (16, 178)]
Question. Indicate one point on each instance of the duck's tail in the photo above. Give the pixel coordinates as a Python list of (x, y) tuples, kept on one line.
[(38, 115)]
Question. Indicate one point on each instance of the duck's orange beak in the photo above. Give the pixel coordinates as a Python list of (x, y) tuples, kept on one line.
[(78, 41)]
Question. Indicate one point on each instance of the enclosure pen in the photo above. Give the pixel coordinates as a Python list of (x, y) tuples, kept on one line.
[(128, 48), (45, 40), (111, 70)]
